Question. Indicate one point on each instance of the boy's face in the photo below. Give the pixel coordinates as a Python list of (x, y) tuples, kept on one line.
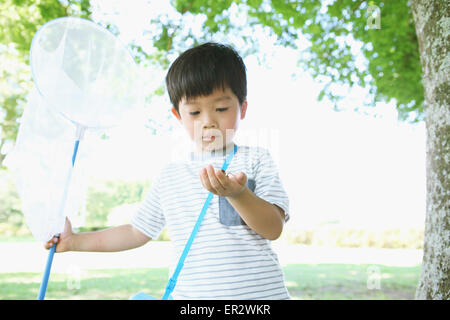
[(211, 121)]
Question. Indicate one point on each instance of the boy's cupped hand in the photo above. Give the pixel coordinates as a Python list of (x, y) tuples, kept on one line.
[(63, 241), (221, 184)]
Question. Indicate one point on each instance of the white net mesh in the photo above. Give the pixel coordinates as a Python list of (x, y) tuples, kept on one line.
[(83, 72), (83, 76)]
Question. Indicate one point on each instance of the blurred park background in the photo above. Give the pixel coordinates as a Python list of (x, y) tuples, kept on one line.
[(342, 115)]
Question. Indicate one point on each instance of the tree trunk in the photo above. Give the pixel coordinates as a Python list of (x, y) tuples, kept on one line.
[(432, 22)]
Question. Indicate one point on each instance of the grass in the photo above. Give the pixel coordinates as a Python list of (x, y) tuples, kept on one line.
[(321, 281), (351, 281)]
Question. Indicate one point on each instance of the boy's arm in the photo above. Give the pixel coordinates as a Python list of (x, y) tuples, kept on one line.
[(119, 238), (108, 240), (265, 218)]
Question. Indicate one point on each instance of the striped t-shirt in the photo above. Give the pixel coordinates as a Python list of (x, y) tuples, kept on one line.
[(227, 260)]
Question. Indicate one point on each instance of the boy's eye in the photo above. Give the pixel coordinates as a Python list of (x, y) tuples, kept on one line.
[(194, 113), (222, 109)]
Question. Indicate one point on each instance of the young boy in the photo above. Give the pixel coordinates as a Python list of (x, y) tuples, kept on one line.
[(231, 256)]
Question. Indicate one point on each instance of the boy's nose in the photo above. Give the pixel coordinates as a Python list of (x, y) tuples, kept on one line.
[(209, 125), (209, 122)]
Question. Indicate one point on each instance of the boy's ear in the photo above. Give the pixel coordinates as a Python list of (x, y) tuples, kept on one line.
[(243, 109), (175, 113)]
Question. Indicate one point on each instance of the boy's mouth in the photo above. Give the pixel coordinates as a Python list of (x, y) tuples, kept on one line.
[(208, 138)]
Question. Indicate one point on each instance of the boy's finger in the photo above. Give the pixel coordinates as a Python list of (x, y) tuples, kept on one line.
[(239, 178), (223, 179), (204, 179), (48, 245), (213, 179)]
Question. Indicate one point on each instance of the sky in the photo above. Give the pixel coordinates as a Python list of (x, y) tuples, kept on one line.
[(347, 167)]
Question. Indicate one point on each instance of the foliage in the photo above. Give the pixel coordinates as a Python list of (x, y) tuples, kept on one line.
[(357, 238), (11, 217), (346, 45), (102, 198)]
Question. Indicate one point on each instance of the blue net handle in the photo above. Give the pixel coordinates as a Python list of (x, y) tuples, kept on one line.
[(51, 253), (173, 280)]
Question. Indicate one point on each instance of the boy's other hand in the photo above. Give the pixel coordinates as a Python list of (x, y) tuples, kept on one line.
[(221, 184), (63, 242)]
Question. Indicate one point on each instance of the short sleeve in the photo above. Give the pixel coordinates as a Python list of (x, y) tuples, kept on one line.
[(268, 185), (149, 218)]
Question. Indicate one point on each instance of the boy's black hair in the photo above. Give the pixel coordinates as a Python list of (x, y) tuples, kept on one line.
[(202, 69)]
